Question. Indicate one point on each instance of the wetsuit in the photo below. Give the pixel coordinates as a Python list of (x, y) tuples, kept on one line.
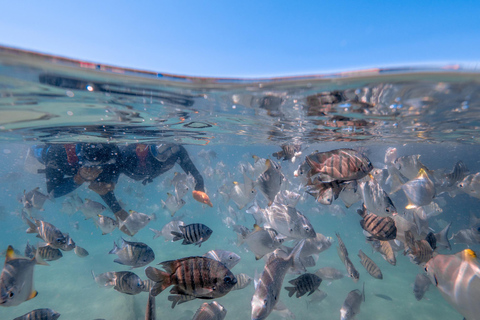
[(62, 163), (145, 166)]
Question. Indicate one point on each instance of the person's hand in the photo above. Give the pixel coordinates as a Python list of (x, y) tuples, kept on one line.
[(102, 188), (87, 174), (121, 216), (202, 197)]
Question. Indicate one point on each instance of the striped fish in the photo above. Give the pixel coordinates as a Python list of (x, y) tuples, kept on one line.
[(200, 277), (307, 282), (243, 280), (338, 165), (270, 181), (380, 228), (180, 298), (385, 249), (351, 270), (195, 233), (47, 253), (40, 314), (370, 266), (150, 309), (134, 254), (210, 311), (342, 249), (46, 231), (122, 281), (419, 251), (324, 193)]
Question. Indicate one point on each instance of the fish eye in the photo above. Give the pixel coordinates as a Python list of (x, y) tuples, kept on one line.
[(461, 185), (230, 258), (11, 294), (265, 301), (307, 229), (291, 230), (387, 209), (227, 279)]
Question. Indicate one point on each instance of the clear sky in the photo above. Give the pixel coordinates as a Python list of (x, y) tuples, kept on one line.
[(247, 38)]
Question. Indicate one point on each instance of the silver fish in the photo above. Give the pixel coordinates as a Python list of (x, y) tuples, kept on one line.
[(287, 220), (16, 279), (134, 254), (270, 181), (122, 281), (268, 288), (329, 273), (313, 246), (81, 252), (350, 194), (40, 314), (467, 236), (317, 297), (243, 280), (421, 285), (35, 199), (106, 224), (167, 229), (442, 238), (289, 152), (46, 231), (409, 166), (184, 183), (419, 191), (376, 199), (351, 305), (242, 194), (457, 278), (47, 253), (228, 258), (471, 185), (172, 204), (262, 241), (69, 244), (210, 311), (136, 221), (91, 209)]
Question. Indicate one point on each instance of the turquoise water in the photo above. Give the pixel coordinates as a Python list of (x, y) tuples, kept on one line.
[(43, 99)]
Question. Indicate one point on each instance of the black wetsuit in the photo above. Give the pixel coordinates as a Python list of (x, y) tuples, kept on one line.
[(150, 167), (61, 167)]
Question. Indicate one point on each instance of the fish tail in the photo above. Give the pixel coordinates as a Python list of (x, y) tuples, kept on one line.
[(363, 291), (177, 236), (291, 291), (161, 278), (32, 227), (115, 249), (443, 237), (175, 300), (294, 256)]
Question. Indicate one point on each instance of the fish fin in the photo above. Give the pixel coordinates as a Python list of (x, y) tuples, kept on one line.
[(32, 295), (177, 236), (256, 227), (175, 300), (10, 255), (443, 237), (311, 291), (161, 278), (157, 233), (410, 206), (291, 291), (469, 255), (294, 256), (118, 261), (363, 291), (115, 249), (32, 228), (279, 306), (258, 257), (39, 260)]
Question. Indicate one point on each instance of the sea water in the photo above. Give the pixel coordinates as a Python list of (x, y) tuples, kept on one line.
[(44, 99)]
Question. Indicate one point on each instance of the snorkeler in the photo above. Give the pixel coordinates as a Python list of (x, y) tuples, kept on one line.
[(69, 166), (146, 162)]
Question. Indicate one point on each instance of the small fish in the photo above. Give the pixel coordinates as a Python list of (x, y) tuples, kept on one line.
[(68, 207), (122, 281), (202, 197), (467, 236), (324, 192), (136, 221), (338, 165), (385, 249), (286, 220), (370, 266), (380, 228), (91, 209), (16, 279), (167, 229), (172, 204), (383, 296), (350, 194), (376, 200), (351, 305), (81, 252), (183, 184), (307, 282), (35, 199), (419, 251), (419, 191), (421, 285), (289, 152), (471, 185), (409, 166), (106, 224), (456, 276), (262, 241), (351, 270), (313, 246), (40, 314), (243, 280), (317, 297), (46, 231), (195, 233), (47, 253), (270, 181), (328, 273), (342, 249), (228, 258), (269, 286), (134, 254), (242, 194), (199, 277), (210, 311)]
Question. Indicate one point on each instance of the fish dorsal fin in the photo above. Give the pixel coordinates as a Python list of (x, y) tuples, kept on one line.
[(422, 173), (256, 227), (10, 254), (469, 255), (268, 163)]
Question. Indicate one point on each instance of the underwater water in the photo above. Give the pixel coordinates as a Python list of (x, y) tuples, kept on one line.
[(222, 123)]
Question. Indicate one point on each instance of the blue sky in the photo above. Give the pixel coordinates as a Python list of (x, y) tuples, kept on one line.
[(247, 38)]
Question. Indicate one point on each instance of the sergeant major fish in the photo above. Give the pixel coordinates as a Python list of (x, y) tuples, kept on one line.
[(289, 152), (195, 233), (369, 265), (134, 254), (122, 281), (40, 314), (46, 231), (243, 280), (380, 228), (307, 282), (210, 311)]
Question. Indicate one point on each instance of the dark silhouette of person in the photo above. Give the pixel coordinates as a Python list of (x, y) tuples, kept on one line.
[(146, 162)]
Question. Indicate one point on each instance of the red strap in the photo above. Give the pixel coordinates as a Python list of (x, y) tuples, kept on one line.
[(142, 151), (71, 154)]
